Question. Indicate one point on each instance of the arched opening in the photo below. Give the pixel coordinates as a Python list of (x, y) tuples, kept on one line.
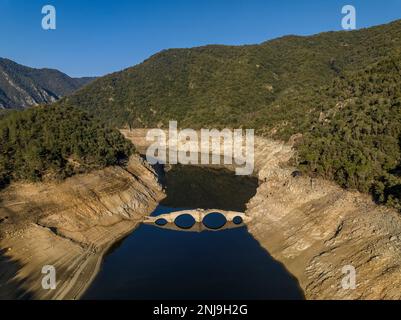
[(238, 220), (185, 221), (161, 222), (214, 221)]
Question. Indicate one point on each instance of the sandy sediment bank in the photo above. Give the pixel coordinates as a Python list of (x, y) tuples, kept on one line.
[(69, 225)]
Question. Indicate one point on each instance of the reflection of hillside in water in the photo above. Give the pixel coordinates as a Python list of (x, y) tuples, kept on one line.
[(207, 187)]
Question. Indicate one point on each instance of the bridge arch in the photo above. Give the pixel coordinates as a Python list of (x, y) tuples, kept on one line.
[(199, 227), (238, 220), (214, 220), (185, 221), (161, 222), (199, 215)]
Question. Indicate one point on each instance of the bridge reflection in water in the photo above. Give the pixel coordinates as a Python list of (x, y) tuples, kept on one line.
[(170, 221)]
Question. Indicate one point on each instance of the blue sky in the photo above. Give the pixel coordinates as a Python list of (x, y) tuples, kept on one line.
[(96, 37)]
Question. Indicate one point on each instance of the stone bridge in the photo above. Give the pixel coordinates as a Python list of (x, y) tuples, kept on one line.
[(199, 227), (198, 215)]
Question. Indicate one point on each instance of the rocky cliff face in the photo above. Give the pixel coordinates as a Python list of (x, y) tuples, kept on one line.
[(316, 228), (69, 226)]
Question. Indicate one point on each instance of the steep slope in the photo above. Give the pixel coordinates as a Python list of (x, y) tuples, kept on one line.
[(69, 225), (21, 86), (43, 143), (355, 140), (233, 86), (339, 89), (316, 228)]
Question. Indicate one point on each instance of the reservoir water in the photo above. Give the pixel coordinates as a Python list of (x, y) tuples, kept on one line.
[(157, 263)]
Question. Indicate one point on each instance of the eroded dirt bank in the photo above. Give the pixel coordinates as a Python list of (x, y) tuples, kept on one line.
[(315, 228), (69, 226)]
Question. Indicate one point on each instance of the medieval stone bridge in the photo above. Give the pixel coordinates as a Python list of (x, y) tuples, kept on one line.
[(198, 215), (199, 227)]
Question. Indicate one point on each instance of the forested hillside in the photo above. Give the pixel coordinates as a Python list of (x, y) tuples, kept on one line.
[(22, 87), (356, 140), (54, 143), (341, 90), (232, 86)]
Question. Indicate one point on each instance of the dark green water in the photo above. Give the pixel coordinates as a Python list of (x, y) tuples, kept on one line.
[(154, 263)]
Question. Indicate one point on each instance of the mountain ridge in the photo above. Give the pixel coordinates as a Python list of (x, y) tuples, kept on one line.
[(22, 86), (339, 90), (183, 84)]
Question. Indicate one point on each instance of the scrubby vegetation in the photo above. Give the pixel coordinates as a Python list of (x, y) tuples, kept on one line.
[(56, 142), (251, 86), (3, 113), (341, 90), (356, 140)]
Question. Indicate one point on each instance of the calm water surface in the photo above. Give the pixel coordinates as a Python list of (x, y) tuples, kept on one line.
[(154, 263)]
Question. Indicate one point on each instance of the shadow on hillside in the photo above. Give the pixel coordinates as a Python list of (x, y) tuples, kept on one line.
[(10, 287), (4, 183), (394, 191)]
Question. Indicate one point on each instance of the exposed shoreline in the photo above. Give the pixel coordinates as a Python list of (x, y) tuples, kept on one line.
[(99, 261), (315, 228), (72, 226)]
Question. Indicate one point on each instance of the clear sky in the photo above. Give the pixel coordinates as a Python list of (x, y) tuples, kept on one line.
[(96, 37)]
